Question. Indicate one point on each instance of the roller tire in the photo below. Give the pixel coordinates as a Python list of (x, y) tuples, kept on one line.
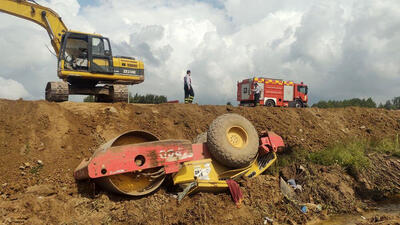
[(221, 148)]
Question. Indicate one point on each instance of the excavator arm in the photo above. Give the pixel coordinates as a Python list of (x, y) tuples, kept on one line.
[(41, 15)]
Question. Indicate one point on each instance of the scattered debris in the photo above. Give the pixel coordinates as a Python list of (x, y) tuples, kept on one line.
[(236, 193), (295, 186), (42, 190), (286, 189), (268, 220), (111, 109), (303, 209)]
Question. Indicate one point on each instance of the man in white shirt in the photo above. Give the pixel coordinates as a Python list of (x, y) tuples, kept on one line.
[(189, 93), (257, 92)]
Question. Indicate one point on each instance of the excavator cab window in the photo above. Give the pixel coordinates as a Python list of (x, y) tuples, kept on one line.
[(101, 57), (75, 52)]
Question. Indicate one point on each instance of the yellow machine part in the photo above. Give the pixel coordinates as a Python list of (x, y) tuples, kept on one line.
[(211, 176), (101, 62), (205, 172), (128, 63), (237, 137), (117, 62), (67, 73)]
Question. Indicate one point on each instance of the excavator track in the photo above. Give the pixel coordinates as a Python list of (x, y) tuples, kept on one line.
[(117, 93), (120, 93), (57, 91)]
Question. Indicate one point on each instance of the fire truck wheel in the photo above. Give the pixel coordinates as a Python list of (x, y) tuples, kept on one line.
[(232, 140), (270, 103), (299, 104), (201, 138)]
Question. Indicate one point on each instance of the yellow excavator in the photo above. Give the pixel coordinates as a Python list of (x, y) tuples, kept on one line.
[(85, 61)]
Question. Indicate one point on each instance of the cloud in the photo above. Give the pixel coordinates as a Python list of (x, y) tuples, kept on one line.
[(341, 49), (11, 89)]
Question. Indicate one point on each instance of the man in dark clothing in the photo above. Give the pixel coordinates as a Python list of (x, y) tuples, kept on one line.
[(189, 93), (257, 92)]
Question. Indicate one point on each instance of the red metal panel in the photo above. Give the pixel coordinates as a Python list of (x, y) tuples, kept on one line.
[(121, 159), (271, 142), (274, 91), (239, 92)]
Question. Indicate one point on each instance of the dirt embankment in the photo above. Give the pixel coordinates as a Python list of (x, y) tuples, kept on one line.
[(61, 135)]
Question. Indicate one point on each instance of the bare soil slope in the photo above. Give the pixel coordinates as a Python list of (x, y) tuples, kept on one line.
[(60, 135)]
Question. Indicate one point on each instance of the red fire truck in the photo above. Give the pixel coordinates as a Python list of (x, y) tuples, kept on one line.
[(274, 92)]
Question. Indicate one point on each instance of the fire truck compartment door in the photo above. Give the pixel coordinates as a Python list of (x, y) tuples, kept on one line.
[(288, 93), (246, 90), (262, 90)]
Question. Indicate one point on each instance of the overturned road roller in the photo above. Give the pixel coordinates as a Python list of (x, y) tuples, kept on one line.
[(136, 163)]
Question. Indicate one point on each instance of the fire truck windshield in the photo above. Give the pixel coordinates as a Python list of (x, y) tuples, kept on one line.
[(302, 89)]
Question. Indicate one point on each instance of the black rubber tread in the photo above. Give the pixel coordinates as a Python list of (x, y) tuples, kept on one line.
[(270, 103), (120, 93), (299, 103), (57, 91), (222, 150), (201, 138)]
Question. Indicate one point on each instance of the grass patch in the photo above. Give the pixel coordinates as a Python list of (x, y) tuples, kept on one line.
[(288, 157), (27, 149), (36, 169), (390, 146), (351, 156)]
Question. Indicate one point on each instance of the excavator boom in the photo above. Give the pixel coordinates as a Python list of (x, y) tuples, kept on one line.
[(41, 15)]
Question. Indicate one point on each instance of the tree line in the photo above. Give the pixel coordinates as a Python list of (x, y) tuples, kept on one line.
[(137, 98), (147, 99), (357, 102)]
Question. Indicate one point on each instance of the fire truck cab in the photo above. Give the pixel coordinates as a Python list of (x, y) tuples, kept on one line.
[(275, 92)]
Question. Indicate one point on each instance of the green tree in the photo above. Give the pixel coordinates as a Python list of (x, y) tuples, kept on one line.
[(396, 103), (366, 103), (147, 99), (89, 98), (388, 105)]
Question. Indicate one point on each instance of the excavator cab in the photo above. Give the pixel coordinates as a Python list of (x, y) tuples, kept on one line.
[(74, 52), (86, 53)]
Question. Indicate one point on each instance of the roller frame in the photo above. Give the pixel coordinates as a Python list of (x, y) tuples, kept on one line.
[(178, 157)]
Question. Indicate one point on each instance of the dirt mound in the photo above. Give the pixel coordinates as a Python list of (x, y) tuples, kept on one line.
[(41, 143)]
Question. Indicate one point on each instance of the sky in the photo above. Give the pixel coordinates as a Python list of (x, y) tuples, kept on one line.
[(341, 49)]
